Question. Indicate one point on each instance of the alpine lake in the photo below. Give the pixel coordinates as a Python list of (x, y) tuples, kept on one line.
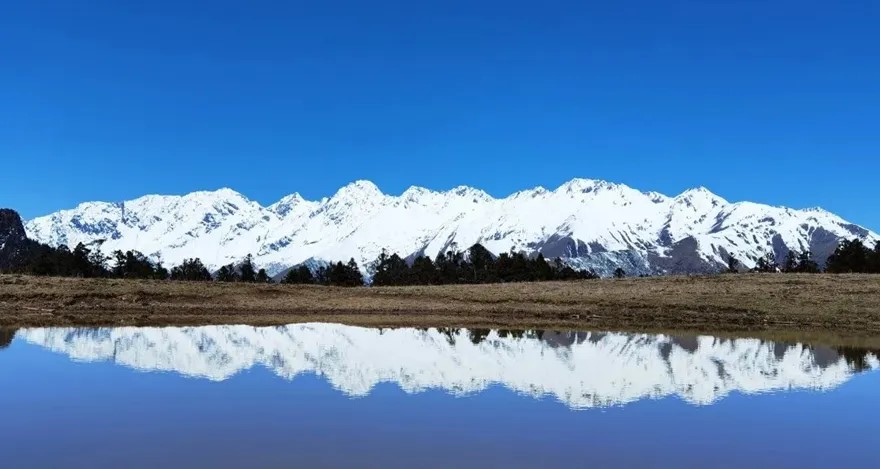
[(319, 395)]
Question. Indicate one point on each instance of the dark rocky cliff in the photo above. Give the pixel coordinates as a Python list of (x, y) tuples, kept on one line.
[(14, 243)]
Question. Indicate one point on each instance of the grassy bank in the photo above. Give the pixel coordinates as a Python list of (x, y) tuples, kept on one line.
[(826, 304)]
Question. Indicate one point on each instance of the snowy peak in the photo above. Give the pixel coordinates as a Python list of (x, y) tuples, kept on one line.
[(288, 204), (700, 198), (585, 185), (589, 223), (360, 189), (467, 192)]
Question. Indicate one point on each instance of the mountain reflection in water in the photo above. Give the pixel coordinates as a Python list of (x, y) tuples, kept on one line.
[(580, 369)]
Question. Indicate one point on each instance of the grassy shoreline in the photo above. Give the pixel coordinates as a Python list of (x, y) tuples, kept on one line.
[(844, 305)]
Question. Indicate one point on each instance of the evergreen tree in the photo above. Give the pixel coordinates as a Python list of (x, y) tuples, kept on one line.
[(345, 275), (806, 265), (619, 273), (247, 271), (41, 260), (542, 269), (299, 275), (423, 272), (391, 270), (227, 273), (263, 277), (118, 269), (504, 267), (191, 270), (132, 264), (98, 261), (791, 262), (875, 259), (337, 275), (161, 273), (517, 268), (322, 275), (766, 264), (82, 262), (480, 266), (851, 256), (449, 266), (355, 278)]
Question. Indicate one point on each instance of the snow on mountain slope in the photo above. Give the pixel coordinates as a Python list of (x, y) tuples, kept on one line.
[(582, 370), (593, 224)]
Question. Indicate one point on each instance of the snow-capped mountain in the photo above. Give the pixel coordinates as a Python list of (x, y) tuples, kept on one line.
[(593, 224), (580, 369)]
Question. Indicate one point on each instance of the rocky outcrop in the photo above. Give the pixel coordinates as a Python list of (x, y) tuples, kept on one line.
[(14, 243)]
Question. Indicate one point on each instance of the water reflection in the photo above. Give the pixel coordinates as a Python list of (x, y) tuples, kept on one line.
[(6, 336), (580, 369)]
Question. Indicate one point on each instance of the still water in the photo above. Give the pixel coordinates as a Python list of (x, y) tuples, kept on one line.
[(308, 395)]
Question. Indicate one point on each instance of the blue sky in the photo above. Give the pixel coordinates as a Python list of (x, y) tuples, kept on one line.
[(777, 102)]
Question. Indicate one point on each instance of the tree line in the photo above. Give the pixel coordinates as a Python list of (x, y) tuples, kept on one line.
[(850, 256), (473, 266), (476, 265)]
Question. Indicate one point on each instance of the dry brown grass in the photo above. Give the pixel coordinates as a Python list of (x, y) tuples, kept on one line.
[(841, 304)]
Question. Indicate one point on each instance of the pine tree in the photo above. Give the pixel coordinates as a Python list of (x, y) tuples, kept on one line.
[(353, 274), (542, 270), (875, 259), (161, 272), (246, 270), (423, 272), (766, 264), (518, 270), (227, 273), (322, 275), (391, 270), (449, 266), (299, 275), (791, 262), (118, 269), (851, 256), (82, 264), (345, 275), (806, 265), (619, 273), (192, 270), (132, 264), (480, 265), (263, 277)]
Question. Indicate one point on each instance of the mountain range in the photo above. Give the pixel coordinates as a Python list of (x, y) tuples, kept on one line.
[(579, 369), (591, 224)]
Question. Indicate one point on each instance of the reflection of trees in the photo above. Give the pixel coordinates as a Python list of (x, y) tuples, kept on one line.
[(6, 336), (856, 357), (450, 333), (478, 335), (516, 334)]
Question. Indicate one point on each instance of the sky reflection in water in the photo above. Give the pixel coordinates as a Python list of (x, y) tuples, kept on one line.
[(341, 395)]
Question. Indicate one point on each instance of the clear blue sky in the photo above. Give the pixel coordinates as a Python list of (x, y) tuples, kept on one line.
[(777, 102)]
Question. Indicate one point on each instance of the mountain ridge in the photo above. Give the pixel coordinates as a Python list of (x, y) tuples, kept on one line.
[(590, 223)]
